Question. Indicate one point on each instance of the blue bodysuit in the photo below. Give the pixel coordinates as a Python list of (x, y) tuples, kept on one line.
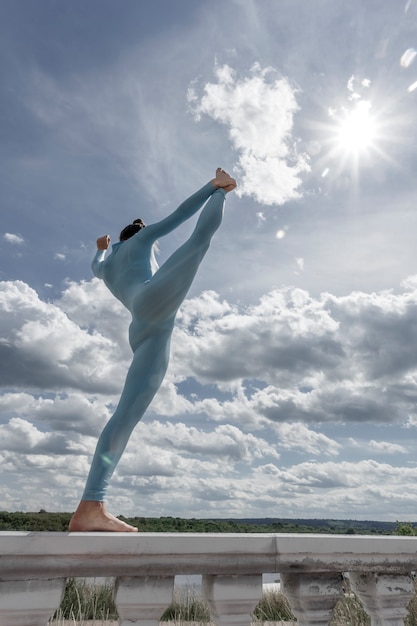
[(153, 296)]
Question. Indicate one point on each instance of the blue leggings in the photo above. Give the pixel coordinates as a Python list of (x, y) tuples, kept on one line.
[(154, 307)]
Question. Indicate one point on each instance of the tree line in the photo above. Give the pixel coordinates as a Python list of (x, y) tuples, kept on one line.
[(58, 522)]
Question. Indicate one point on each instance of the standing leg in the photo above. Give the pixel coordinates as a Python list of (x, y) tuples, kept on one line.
[(143, 380)]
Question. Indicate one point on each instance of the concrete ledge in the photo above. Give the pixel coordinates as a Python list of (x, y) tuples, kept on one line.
[(26, 555), (110, 623), (101, 623)]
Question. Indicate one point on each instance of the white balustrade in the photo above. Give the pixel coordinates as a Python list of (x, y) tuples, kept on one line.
[(312, 595), (29, 602), (142, 601), (384, 596), (232, 599), (34, 567)]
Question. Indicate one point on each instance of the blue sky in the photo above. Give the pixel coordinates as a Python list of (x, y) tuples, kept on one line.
[(292, 386)]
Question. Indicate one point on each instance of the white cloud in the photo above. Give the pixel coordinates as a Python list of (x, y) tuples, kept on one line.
[(20, 435), (258, 111), (326, 359), (224, 441), (300, 263), (42, 348), (313, 359), (15, 240), (387, 447), (299, 436), (347, 489), (246, 386)]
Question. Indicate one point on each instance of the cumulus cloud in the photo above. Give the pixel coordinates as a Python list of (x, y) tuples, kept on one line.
[(258, 111), (283, 338), (22, 436), (73, 413), (41, 347), (14, 239), (318, 487), (289, 358), (299, 436), (387, 447), (325, 359), (248, 388), (224, 441)]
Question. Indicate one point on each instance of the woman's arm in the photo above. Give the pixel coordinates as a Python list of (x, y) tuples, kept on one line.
[(97, 263), (186, 210)]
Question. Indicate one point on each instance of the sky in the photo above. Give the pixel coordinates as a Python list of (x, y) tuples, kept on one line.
[(292, 385)]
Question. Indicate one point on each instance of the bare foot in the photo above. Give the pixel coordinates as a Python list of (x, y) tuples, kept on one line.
[(223, 180), (92, 516)]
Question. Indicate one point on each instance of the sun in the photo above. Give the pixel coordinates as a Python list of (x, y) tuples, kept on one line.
[(357, 129), (354, 139), (359, 134)]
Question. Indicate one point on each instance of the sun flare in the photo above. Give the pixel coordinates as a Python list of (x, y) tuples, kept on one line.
[(357, 129), (355, 134)]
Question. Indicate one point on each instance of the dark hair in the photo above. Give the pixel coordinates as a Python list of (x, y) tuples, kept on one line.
[(131, 229)]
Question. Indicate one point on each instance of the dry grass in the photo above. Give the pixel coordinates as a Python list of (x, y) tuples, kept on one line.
[(87, 604), (187, 606), (273, 607), (76, 621)]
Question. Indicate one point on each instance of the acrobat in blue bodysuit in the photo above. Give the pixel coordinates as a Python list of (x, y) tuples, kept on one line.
[(153, 296)]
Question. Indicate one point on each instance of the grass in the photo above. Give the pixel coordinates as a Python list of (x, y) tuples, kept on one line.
[(84, 601), (187, 606), (411, 619), (273, 607), (349, 612)]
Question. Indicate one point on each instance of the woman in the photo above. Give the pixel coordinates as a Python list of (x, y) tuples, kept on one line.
[(153, 296)]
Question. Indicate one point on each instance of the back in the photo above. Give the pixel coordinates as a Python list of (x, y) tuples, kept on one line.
[(130, 264)]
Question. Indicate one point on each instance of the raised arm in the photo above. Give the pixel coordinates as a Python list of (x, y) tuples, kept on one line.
[(185, 210), (102, 245)]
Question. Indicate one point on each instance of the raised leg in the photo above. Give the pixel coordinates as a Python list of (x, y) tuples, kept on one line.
[(158, 302)]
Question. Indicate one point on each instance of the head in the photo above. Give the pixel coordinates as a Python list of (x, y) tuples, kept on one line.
[(131, 229)]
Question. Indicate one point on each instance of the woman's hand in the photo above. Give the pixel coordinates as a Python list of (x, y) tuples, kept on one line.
[(103, 242)]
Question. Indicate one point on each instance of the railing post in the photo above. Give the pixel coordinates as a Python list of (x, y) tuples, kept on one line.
[(29, 602), (232, 599), (142, 600), (312, 596), (385, 597)]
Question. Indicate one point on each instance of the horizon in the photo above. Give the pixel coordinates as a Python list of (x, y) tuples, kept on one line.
[(233, 519)]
